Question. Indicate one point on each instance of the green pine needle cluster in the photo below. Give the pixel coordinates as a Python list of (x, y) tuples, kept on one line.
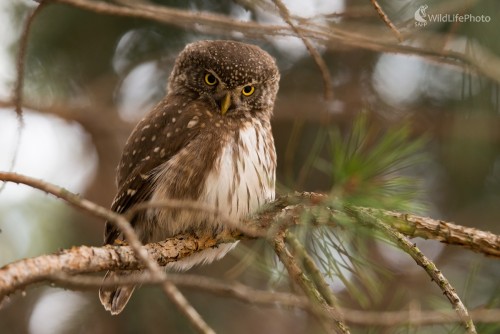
[(370, 167)]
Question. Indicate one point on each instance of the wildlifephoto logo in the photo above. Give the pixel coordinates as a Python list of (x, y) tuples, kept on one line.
[(422, 18)]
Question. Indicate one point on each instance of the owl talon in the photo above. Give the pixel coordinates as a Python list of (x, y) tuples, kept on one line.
[(119, 242)]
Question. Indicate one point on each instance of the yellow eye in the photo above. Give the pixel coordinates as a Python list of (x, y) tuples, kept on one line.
[(210, 79), (248, 90)]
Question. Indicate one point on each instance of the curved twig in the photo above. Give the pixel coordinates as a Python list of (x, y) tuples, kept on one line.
[(431, 269)]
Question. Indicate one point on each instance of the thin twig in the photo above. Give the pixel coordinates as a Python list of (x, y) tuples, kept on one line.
[(386, 20), (325, 73), (431, 269), (19, 84), (235, 290), (247, 294), (298, 276), (311, 268), (170, 290)]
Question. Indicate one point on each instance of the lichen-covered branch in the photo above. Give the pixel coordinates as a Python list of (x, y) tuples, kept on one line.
[(431, 269), (84, 259)]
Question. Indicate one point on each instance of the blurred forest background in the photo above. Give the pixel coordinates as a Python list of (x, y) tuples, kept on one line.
[(89, 77)]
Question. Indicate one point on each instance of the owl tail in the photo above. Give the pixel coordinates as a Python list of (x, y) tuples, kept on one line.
[(115, 298)]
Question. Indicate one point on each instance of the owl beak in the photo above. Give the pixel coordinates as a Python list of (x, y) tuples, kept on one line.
[(225, 103)]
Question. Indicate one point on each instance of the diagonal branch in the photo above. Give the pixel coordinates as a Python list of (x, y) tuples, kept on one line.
[(386, 20), (325, 73), (298, 276), (431, 269), (170, 290)]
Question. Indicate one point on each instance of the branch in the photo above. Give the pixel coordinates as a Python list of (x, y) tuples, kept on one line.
[(294, 205), (247, 294), (170, 290), (298, 276), (370, 38), (325, 73), (413, 226), (386, 20), (431, 269), (284, 212), (18, 87), (84, 259)]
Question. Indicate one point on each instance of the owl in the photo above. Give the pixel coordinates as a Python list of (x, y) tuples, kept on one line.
[(210, 141)]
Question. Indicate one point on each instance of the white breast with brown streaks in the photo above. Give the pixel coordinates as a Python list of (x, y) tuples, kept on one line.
[(243, 180)]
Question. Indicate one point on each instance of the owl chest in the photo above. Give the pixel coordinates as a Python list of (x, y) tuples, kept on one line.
[(243, 177)]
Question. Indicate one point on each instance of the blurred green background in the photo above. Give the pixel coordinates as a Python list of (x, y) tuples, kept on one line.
[(90, 77)]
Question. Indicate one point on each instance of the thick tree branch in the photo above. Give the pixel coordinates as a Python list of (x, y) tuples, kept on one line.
[(83, 259)]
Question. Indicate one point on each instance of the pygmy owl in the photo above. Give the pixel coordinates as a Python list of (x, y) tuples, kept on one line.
[(209, 140)]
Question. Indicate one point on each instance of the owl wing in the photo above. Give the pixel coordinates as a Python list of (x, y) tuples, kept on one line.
[(155, 140)]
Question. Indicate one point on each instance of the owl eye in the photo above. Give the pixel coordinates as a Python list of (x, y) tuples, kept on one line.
[(248, 90), (210, 79)]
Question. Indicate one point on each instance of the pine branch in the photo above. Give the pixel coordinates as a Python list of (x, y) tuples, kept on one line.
[(431, 269)]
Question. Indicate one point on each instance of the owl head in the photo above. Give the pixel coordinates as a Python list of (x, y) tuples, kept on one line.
[(231, 77)]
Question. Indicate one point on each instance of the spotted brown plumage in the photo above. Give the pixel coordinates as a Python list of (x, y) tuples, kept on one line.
[(209, 140)]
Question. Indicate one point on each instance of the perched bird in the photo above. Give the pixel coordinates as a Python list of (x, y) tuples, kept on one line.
[(210, 141)]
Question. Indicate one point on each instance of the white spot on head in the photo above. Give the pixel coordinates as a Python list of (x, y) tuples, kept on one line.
[(156, 149), (143, 138), (168, 134), (173, 119), (153, 138)]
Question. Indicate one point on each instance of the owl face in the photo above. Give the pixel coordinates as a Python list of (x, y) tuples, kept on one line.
[(231, 77)]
